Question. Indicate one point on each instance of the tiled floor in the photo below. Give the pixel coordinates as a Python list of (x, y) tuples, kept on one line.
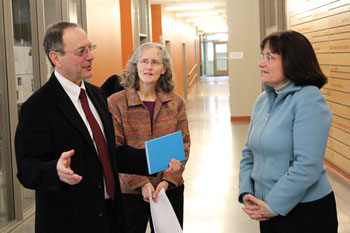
[(211, 176)]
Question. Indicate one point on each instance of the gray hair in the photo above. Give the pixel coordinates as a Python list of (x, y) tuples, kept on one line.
[(53, 39), (130, 77)]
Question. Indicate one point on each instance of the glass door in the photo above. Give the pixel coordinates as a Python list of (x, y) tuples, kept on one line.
[(23, 48), (6, 190), (52, 11), (23, 69), (220, 59), (30, 21)]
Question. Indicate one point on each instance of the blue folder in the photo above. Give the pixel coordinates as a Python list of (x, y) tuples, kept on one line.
[(160, 151)]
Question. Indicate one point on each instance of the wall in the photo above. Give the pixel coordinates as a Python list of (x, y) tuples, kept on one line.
[(326, 25), (157, 27), (103, 27), (178, 32), (244, 36), (127, 34)]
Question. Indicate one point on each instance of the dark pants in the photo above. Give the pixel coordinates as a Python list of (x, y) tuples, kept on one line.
[(318, 216), (113, 217), (137, 212)]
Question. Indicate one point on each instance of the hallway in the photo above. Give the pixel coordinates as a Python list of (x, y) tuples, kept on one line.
[(211, 175)]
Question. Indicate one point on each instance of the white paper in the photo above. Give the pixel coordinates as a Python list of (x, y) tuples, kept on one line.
[(163, 215)]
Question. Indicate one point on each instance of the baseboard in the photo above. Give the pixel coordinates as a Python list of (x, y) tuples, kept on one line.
[(240, 118), (336, 168)]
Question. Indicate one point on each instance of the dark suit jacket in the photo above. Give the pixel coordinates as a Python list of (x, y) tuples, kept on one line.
[(48, 125), (112, 85)]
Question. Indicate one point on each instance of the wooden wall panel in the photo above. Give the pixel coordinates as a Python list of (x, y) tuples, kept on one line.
[(339, 20), (340, 97), (340, 147), (339, 45), (329, 154), (327, 25), (340, 135), (340, 110), (321, 47), (341, 161), (339, 84), (341, 123)]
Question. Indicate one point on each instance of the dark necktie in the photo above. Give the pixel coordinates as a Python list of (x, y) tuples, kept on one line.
[(100, 144)]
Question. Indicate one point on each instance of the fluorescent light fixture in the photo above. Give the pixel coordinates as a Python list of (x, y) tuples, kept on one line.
[(197, 13), (217, 27), (203, 24), (205, 19), (213, 29), (189, 7)]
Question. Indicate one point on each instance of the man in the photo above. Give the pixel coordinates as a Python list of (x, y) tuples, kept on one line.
[(65, 144)]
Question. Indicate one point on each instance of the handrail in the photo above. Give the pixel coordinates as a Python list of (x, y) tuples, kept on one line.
[(193, 68), (192, 80)]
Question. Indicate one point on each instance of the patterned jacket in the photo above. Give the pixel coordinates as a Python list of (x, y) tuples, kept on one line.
[(132, 127)]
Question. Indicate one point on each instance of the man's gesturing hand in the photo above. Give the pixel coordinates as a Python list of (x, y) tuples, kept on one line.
[(64, 171)]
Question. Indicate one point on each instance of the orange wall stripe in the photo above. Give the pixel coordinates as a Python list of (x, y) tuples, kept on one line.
[(126, 30), (156, 12)]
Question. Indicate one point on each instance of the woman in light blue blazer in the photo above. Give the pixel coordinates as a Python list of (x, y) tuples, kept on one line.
[(282, 181)]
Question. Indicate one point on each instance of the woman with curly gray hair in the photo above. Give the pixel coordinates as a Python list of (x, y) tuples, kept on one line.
[(148, 108)]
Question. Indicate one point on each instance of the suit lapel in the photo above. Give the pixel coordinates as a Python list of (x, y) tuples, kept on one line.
[(64, 103)]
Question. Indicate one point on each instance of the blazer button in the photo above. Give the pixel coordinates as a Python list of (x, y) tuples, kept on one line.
[(100, 213), (99, 185)]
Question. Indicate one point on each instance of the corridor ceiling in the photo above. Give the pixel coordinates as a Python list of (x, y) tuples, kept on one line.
[(206, 20)]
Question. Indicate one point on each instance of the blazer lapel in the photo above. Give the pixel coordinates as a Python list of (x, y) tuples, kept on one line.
[(68, 109)]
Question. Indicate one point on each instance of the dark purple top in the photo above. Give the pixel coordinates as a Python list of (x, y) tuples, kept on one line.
[(150, 105)]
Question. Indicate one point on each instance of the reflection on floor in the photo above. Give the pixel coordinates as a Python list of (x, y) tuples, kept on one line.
[(211, 175)]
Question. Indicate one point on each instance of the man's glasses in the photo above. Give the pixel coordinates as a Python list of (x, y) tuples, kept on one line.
[(83, 51), (146, 62)]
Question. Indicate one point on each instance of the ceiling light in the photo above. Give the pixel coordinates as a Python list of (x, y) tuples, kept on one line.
[(204, 19), (203, 24), (213, 29), (189, 7), (197, 13)]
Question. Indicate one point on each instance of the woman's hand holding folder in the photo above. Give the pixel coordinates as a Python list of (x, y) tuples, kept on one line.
[(174, 165)]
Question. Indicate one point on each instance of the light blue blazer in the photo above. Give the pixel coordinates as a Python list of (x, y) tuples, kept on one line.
[(282, 161)]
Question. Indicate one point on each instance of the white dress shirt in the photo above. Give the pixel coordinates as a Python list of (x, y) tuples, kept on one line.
[(73, 91)]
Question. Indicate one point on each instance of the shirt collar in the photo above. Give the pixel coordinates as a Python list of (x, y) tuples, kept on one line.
[(72, 89), (134, 99)]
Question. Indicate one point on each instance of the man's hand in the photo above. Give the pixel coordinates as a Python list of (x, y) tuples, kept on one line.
[(65, 173)]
